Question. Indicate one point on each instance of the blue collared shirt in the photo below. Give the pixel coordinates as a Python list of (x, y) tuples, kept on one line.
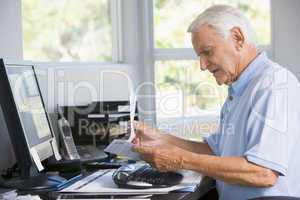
[(260, 120)]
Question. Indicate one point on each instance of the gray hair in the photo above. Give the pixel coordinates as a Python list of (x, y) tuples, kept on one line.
[(223, 18)]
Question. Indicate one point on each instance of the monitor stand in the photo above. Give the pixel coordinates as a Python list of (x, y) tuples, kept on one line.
[(39, 183)]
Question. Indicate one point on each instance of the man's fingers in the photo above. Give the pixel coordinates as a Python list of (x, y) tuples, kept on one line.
[(138, 125), (142, 149), (145, 151), (136, 141), (148, 159), (141, 130), (141, 126)]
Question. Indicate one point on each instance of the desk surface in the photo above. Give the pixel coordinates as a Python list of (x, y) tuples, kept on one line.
[(203, 188), (206, 185), (186, 194)]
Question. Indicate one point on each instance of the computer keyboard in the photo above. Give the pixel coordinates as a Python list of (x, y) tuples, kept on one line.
[(142, 176)]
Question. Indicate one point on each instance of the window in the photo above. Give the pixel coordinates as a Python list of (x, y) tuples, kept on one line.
[(183, 90), (172, 18), (62, 30)]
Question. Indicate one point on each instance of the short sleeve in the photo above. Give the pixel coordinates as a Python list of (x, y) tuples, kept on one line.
[(267, 130)]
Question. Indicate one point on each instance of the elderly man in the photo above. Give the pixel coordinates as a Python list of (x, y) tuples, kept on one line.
[(254, 152)]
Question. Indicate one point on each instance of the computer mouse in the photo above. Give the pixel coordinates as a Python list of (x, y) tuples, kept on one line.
[(143, 176)]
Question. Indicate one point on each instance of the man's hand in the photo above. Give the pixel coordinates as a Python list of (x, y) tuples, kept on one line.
[(154, 150), (145, 133), (162, 156)]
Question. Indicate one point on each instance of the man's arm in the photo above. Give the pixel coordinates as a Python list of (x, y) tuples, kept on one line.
[(145, 133), (234, 170), (191, 146)]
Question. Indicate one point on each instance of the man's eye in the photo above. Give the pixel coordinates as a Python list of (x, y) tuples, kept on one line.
[(206, 53)]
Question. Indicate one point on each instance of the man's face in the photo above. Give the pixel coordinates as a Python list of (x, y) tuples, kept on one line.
[(217, 54)]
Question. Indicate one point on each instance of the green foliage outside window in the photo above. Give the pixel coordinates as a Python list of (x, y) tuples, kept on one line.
[(172, 18), (63, 30), (200, 91)]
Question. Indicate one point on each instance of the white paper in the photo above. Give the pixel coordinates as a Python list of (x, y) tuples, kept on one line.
[(122, 148), (28, 197), (11, 195), (190, 177), (55, 149), (96, 115), (36, 159), (132, 115), (123, 108), (101, 182), (116, 115)]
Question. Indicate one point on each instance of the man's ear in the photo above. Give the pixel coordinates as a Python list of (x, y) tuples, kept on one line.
[(238, 37)]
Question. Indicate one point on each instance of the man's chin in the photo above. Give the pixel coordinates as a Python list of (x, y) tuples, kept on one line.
[(220, 81)]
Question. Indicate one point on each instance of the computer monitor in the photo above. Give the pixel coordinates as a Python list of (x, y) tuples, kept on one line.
[(26, 118)]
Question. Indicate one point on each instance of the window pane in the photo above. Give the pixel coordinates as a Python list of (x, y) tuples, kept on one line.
[(184, 90), (172, 18), (62, 30)]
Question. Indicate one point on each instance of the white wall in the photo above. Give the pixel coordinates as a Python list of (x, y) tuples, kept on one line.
[(67, 84), (10, 29), (286, 34)]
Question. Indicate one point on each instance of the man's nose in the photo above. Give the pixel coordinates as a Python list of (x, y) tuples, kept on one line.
[(203, 63)]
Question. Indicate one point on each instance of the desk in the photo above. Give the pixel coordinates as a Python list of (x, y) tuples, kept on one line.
[(187, 194), (206, 185)]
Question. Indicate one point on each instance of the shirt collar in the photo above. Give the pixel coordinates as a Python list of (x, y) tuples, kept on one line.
[(247, 75)]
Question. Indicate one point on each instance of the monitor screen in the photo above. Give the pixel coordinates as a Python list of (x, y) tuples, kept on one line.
[(30, 107)]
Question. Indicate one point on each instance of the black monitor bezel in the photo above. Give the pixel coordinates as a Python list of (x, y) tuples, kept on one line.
[(13, 121)]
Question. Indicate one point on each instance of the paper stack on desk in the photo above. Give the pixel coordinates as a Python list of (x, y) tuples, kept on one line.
[(101, 182)]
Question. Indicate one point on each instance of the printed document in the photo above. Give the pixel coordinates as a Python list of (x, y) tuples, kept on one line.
[(123, 147)]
